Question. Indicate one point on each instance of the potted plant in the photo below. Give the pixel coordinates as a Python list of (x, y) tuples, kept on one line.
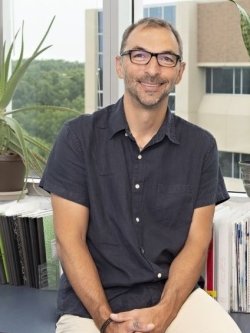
[(245, 31), (17, 154)]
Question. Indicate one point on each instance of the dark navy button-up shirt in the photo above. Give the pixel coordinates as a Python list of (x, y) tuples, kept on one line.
[(141, 202)]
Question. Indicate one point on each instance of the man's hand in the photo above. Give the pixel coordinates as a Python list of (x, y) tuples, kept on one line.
[(141, 320)]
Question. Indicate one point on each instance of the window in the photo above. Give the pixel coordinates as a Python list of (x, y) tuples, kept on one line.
[(155, 12), (57, 76), (166, 12), (246, 80), (228, 80), (229, 163), (64, 71), (100, 61)]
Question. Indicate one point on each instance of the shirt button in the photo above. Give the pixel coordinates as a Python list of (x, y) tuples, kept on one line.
[(159, 275), (126, 134), (142, 250), (137, 186), (137, 219), (139, 157)]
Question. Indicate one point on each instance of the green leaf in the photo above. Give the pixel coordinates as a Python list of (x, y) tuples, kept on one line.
[(13, 138), (5, 136), (19, 134), (245, 25), (39, 108), (8, 86)]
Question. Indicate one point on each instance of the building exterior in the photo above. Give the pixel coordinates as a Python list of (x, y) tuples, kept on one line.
[(215, 90)]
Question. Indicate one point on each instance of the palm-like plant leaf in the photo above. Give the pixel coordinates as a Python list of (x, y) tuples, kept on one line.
[(51, 108), (9, 85), (18, 134), (245, 25)]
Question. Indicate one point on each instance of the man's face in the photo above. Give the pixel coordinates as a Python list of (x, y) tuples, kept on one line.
[(150, 84)]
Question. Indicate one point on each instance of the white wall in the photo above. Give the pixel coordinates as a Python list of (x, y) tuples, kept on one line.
[(227, 117)]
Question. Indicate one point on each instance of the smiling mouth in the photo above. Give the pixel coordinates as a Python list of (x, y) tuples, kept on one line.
[(151, 86)]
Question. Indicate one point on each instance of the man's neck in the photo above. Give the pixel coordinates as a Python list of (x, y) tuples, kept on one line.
[(144, 123)]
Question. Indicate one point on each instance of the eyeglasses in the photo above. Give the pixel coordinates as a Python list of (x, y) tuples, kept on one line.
[(141, 57)]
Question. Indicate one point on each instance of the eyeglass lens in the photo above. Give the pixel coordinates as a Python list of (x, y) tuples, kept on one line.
[(143, 58)]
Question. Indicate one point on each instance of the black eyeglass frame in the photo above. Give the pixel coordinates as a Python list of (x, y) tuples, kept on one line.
[(152, 54)]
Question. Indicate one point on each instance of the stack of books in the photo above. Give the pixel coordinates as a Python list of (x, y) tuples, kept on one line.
[(227, 272), (27, 244)]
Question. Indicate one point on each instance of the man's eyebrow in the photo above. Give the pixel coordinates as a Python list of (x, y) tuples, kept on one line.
[(140, 48)]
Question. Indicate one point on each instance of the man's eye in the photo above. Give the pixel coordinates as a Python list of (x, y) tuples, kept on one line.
[(167, 58), (139, 55)]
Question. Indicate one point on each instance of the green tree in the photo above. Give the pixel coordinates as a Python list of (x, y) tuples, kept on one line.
[(49, 82)]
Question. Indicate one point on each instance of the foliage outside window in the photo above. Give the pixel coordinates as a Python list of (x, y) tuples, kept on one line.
[(53, 82)]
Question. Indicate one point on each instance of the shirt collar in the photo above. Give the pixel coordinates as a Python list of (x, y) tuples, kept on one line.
[(169, 127), (118, 123)]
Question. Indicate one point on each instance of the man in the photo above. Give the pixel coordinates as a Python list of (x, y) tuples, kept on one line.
[(133, 192)]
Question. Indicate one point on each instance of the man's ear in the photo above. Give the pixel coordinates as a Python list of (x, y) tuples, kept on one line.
[(119, 67), (180, 72)]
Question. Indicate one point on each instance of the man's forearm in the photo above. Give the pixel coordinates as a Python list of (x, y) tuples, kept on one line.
[(184, 273), (183, 276), (186, 268), (75, 257), (84, 278)]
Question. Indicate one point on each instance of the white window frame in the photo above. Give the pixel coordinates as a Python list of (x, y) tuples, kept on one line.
[(6, 22), (117, 15)]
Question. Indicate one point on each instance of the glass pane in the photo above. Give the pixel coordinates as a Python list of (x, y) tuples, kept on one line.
[(100, 43), (225, 160), (169, 14), (155, 12), (57, 76), (171, 102), (245, 157), (208, 81), (145, 12), (100, 22), (222, 80), (100, 80), (100, 100), (237, 84), (236, 168), (246, 80), (100, 61)]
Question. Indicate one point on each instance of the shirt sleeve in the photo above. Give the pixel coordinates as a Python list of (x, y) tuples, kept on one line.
[(65, 173), (212, 188)]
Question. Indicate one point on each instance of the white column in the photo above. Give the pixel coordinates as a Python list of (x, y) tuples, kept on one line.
[(91, 60), (6, 21), (192, 87), (117, 15), (1, 24)]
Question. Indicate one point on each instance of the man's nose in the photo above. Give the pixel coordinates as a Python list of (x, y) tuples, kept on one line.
[(152, 66)]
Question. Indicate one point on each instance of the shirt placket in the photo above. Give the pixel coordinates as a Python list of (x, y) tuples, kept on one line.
[(137, 197)]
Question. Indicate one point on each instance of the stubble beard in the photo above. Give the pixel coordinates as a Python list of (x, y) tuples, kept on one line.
[(148, 100)]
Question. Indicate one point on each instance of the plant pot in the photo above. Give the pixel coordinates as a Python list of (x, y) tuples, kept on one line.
[(12, 172), (245, 172)]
